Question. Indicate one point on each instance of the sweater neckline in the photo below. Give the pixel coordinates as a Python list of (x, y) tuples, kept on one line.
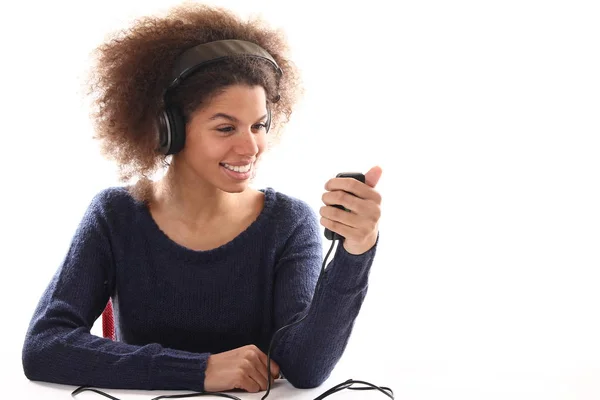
[(160, 238)]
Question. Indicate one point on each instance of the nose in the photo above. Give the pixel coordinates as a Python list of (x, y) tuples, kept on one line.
[(246, 143)]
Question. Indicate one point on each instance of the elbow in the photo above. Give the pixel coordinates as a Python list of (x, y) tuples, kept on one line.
[(35, 360), (30, 359), (306, 380), (308, 372)]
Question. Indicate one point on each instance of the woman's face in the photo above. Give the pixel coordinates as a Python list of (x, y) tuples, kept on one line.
[(225, 138)]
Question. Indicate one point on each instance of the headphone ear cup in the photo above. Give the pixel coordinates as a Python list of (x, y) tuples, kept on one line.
[(177, 130), (164, 133), (171, 130)]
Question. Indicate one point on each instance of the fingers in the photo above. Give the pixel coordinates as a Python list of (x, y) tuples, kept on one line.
[(360, 209), (258, 374), (275, 370), (357, 188), (274, 366), (354, 225), (247, 383), (242, 368), (256, 367), (373, 176)]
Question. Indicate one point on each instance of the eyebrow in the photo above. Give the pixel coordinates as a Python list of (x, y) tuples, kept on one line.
[(229, 117)]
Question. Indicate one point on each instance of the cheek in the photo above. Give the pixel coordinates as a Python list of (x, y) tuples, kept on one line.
[(193, 141), (200, 149)]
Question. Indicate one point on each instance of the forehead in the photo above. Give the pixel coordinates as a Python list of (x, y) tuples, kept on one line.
[(239, 96)]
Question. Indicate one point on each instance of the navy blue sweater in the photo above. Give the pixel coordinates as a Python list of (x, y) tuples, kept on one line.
[(174, 307)]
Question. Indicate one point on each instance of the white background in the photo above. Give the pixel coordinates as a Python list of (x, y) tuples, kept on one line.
[(485, 118)]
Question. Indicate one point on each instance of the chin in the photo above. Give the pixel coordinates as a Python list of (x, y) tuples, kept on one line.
[(232, 185)]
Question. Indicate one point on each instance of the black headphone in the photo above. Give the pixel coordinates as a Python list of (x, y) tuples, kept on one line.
[(171, 124)]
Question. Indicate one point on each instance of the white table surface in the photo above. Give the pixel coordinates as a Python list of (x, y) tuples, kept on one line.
[(414, 380), (19, 387), (22, 388)]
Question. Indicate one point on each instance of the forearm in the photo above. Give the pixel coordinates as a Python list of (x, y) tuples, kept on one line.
[(54, 352), (308, 352)]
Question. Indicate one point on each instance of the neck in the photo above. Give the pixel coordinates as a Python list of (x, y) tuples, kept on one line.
[(186, 197)]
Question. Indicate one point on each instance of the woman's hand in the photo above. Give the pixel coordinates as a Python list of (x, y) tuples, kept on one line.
[(242, 368), (359, 226)]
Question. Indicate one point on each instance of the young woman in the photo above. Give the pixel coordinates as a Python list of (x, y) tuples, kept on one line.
[(201, 269)]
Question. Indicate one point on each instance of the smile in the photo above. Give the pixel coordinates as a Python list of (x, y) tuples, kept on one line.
[(236, 168)]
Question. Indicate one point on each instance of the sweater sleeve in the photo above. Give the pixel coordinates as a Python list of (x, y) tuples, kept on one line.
[(308, 352), (59, 347)]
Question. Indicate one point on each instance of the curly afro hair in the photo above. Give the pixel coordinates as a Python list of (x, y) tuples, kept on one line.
[(132, 70)]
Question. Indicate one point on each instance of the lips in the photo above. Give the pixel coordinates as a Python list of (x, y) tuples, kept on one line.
[(240, 175), (240, 168)]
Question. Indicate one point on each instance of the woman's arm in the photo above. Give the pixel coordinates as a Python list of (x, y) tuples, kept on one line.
[(308, 352), (58, 346)]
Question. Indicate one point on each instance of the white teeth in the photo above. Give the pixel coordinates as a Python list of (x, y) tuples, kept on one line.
[(242, 168)]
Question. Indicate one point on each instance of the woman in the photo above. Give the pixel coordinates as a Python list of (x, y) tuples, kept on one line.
[(201, 269)]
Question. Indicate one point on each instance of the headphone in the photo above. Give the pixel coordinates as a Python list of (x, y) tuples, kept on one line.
[(171, 123)]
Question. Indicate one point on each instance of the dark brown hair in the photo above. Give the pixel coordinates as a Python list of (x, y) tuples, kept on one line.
[(133, 68)]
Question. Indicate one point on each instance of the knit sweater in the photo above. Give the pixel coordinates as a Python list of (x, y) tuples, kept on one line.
[(174, 306)]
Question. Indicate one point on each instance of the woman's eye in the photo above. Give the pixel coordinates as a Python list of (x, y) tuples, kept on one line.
[(230, 129)]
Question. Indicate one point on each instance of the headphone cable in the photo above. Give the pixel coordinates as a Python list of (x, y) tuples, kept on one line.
[(341, 386), (344, 385)]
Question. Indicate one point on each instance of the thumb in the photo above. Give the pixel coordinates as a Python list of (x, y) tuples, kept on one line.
[(372, 177)]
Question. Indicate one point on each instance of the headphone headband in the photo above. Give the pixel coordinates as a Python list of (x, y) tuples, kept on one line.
[(207, 53)]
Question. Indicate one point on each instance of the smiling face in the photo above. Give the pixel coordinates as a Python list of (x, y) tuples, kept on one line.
[(225, 138)]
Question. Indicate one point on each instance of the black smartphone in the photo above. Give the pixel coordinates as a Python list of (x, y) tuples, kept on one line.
[(359, 177)]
